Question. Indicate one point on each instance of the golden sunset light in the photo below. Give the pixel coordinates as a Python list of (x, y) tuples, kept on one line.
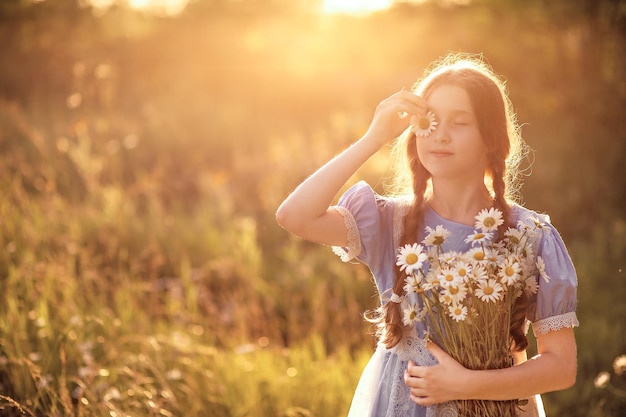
[(355, 6), (176, 174)]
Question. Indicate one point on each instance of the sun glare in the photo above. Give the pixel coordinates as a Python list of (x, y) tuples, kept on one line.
[(169, 7), (166, 7), (354, 6)]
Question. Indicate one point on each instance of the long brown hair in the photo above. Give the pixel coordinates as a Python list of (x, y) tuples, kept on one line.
[(505, 150)]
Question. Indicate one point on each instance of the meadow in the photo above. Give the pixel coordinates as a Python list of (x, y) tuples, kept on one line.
[(142, 272)]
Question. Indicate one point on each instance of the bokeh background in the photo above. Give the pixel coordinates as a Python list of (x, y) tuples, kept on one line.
[(145, 146)]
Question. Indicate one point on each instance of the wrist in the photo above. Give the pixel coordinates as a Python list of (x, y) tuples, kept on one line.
[(469, 390), (373, 140)]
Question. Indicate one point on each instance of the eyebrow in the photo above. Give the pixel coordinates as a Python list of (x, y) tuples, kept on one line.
[(455, 112)]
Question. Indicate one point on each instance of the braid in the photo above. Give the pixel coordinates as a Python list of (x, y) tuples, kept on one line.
[(392, 328), (500, 132), (518, 313)]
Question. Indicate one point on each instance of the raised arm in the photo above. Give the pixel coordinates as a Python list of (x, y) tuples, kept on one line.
[(307, 211)]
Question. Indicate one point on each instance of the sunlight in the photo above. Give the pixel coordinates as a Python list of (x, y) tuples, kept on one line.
[(354, 6), (166, 7), (169, 7)]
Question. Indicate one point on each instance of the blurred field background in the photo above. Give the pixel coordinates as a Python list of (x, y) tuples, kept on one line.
[(145, 149)]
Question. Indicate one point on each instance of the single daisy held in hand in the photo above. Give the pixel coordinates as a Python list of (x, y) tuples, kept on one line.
[(424, 125)]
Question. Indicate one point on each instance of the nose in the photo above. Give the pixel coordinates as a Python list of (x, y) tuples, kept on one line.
[(440, 134)]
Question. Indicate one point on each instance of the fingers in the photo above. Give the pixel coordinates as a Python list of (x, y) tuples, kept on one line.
[(418, 386), (388, 122), (406, 103)]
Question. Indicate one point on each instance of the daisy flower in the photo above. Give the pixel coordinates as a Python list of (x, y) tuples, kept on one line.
[(411, 314), (514, 235), (476, 255), (488, 220), (463, 269), (541, 267), (436, 236), (449, 257), (602, 380), (478, 238), (619, 365), (411, 258), (538, 223), (457, 312), (479, 273), (454, 293), (494, 256), (510, 271), (423, 126), (489, 290), (449, 276), (431, 280), (531, 286), (412, 284)]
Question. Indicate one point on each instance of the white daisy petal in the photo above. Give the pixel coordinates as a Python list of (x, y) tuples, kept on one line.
[(411, 258), (423, 126), (489, 220)]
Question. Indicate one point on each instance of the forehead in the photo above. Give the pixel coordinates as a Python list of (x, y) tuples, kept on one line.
[(449, 98)]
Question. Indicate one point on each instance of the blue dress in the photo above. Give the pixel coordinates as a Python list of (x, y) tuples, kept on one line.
[(374, 225)]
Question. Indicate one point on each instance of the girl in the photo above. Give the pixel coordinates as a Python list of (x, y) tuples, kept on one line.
[(462, 149)]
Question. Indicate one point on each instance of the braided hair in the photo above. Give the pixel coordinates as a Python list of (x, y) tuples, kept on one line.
[(505, 150)]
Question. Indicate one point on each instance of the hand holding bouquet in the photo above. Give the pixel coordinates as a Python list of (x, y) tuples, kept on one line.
[(466, 299)]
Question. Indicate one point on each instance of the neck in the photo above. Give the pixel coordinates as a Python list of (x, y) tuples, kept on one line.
[(459, 202)]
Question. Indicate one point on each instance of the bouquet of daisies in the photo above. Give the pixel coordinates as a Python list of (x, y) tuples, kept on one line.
[(466, 299)]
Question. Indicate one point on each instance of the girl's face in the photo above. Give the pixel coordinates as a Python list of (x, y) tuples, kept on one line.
[(455, 150)]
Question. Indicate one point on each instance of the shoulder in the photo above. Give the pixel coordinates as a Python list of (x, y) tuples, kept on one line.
[(527, 216), (365, 193)]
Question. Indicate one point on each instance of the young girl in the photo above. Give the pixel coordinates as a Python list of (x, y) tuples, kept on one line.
[(462, 148)]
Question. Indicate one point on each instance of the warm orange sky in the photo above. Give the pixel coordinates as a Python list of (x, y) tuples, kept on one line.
[(173, 7)]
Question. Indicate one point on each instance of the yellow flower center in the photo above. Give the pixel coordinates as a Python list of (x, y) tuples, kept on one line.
[(479, 256), (509, 272), (454, 290), (458, 311), (489, 222), (478, 236), (488, 290), (462, 272), (438, 240), (411, 258), (449, 277), (424, 123)]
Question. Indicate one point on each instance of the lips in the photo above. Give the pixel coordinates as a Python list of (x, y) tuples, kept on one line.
[(440, 153)]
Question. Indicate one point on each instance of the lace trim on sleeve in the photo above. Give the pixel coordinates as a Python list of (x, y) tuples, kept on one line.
[(353, 249), (554, 323)]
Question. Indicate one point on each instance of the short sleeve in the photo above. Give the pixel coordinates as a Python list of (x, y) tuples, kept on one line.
[(555, 305), (366, 218)]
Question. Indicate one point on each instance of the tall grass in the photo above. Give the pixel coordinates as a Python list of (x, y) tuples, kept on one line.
[(88, 326), (120, 303)]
